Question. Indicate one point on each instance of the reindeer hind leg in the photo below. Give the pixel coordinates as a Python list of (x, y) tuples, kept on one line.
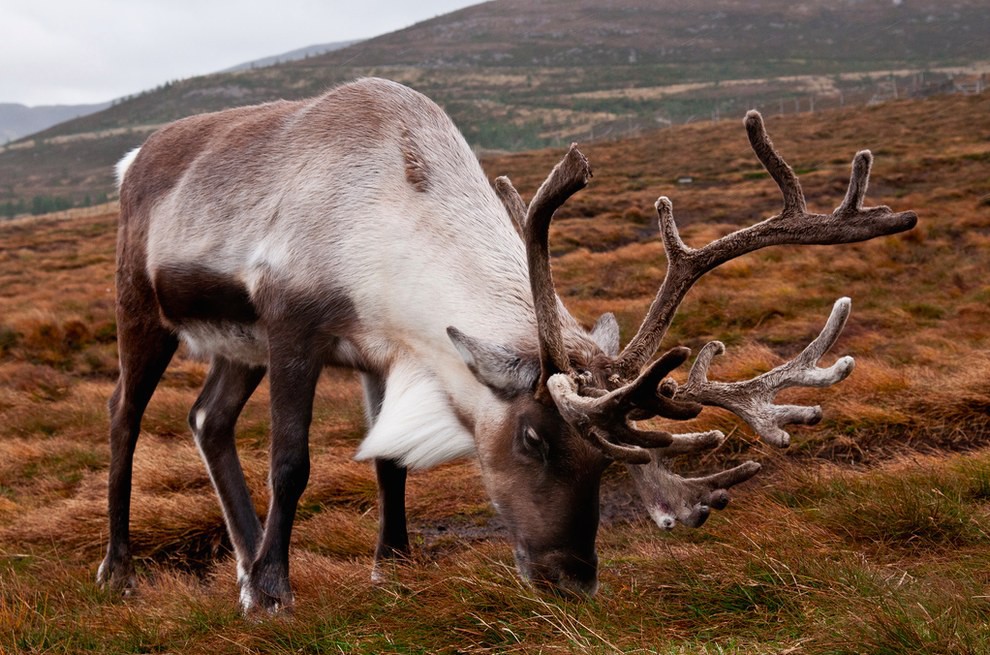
[(145, 348)]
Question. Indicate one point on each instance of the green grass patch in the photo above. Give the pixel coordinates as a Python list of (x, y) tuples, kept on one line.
[(902, 510)]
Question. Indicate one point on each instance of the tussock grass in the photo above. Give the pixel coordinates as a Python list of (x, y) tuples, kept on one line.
[(869, 535), (914, 506)]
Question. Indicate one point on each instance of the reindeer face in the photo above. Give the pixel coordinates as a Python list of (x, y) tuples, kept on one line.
[(544, 480), (542, 475), (544, 443)]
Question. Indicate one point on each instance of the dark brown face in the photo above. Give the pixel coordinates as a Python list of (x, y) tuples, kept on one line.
[(544, 480)]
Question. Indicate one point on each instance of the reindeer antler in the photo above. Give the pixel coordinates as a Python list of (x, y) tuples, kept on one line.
[(605, 417), (670, 499), (512, 202), (567, 178), (752, 400), (793, 225), (598, 415)]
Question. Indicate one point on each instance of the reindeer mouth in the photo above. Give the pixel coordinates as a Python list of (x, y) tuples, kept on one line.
[(560, 573)]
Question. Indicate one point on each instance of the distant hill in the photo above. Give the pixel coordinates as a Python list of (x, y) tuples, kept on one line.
[(518, 75), (736, 35), (18, 120), (292, 55)]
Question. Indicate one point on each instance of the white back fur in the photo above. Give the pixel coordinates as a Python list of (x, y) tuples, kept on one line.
[(321, 202)]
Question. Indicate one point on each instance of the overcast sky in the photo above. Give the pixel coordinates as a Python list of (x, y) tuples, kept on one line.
[(84, 51)]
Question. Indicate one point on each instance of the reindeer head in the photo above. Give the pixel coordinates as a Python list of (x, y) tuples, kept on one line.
[(569, 409)]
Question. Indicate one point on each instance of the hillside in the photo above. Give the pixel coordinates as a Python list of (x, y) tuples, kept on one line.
[(519, 75), (871, 534), (731, 36), (18, 120)]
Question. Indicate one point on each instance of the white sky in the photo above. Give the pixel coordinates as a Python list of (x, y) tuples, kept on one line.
[(84, 51)]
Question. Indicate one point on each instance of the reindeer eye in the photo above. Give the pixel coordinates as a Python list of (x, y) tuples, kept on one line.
[(532, 444), (531, 437)]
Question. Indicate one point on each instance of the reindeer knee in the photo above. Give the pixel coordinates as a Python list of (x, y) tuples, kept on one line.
[(197, 419)]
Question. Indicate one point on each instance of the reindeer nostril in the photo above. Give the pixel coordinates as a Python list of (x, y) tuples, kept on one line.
[(668, 523)]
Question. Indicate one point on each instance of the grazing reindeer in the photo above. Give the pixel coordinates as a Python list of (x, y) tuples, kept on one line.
[(357, 229)]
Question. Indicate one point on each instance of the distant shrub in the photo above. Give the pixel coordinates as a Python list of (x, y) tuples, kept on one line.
[(925, 311), (48, 204), (75, 333), (8, 339), (49, 342), (105, 332), (636, 215)]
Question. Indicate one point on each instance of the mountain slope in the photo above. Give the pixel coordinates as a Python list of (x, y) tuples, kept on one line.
[(292, 55), (617, 32), (517, 75)]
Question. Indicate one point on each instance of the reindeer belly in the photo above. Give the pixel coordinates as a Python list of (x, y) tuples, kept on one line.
[(212, 313), (237, 342)]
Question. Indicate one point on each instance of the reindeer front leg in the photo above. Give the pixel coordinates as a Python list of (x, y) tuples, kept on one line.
[(228, 387), (293, 374), (393, 537)]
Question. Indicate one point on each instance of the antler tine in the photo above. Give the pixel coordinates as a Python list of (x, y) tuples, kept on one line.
[(859, 180), (670, 499), (567, 177), (604, 418), (850, 222), (692, 442), (752, 400), (679, 278), (512, 201), (618, 452), (780, 170)]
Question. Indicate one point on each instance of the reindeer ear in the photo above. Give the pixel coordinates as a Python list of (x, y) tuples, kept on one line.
[(497, 367), (606, 334)]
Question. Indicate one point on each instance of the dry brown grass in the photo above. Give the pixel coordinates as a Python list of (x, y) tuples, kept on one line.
[(885, 553)]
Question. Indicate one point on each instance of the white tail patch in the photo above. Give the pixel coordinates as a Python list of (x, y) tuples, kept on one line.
[(121, 168), (200, 420), (417, 426)]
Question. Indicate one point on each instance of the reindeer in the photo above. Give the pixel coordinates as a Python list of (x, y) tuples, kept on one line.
[(357, 229)]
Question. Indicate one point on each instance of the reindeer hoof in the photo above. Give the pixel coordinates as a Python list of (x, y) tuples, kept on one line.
[(260, 600), (116, 575)]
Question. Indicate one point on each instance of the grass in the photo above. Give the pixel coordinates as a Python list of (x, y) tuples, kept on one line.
[(869, 535), (763, 577)]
